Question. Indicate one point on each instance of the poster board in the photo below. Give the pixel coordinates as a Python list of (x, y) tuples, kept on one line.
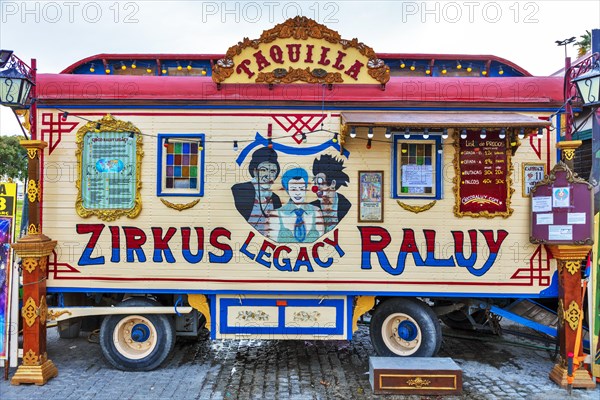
[(561, 209), (370, 193), (8, 207)]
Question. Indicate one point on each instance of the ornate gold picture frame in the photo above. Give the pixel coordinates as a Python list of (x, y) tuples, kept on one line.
[(528, 182), (457, 182), (109, 124)]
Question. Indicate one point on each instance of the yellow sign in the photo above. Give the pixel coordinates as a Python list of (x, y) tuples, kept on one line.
[(8, 199), (300, 50)]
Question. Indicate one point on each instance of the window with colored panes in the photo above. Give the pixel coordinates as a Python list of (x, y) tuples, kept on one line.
[(181, 167)]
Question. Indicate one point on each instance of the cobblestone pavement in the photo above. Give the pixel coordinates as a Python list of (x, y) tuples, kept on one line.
[(256, 369)]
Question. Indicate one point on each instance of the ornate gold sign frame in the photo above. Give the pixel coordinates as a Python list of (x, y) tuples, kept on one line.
[(110, 124), (300, 28), (456, 181), (524, 170)]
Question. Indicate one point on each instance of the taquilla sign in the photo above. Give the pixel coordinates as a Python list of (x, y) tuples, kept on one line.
[(300, 50)]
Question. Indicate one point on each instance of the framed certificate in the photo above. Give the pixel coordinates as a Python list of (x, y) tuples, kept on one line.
[(532, 174), (370, 194)]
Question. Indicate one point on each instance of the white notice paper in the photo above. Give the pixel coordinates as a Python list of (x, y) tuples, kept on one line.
[(541, 204), (560, 232), (576, 218), (545, 219), (562, 196)]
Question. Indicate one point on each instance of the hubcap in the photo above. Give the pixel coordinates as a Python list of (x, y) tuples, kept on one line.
[(135, 337), (401, 334)]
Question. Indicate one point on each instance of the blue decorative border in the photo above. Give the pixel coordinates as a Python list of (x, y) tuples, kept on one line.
[(281, 328), (498, 295), (438, 165), (159, 163)]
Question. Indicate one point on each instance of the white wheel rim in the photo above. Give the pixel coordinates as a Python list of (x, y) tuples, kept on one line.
[(135, 337), (394, 341)]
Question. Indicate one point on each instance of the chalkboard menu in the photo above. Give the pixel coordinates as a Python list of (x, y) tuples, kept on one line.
[(561, 209), (108, 178), (482, 182)]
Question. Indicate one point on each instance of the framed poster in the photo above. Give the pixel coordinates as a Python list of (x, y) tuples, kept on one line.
[(370, 194), (109, 157), (532, 173)]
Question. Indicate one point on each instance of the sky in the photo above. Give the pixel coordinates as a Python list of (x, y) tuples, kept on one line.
[(58, 33)]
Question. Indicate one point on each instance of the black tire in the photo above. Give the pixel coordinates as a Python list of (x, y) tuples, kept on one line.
[(69, 329), (121, 334), (405, 327), (459, 320)]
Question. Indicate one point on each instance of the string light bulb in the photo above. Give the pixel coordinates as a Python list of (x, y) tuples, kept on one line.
[(164, 70), (235, 145), (189, 67), (353, 132), (458, 65), (483, 133), (445, 134), (304, 137), (370, 134), (92, 69), (521, 133), (502, 134), (407, 133), (203, 72), (369, 144), (133, 65), (463, 134), (179, 67), (540, 133), (200, 146), (123, 66), (98, 126), (335, 138), (388, 132), (440, 149), (444, 70), (426, 133), (428, 70), (148, 69), (484, 72), (413, 66), (500, 71), (402, 65), (470, 68), (270, 143), (107, 70), (65, 115)]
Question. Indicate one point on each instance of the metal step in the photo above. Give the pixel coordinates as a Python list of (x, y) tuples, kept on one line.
[(534, 312)]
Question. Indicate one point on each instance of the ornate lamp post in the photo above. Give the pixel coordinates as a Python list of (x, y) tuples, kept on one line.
[(17, 91)]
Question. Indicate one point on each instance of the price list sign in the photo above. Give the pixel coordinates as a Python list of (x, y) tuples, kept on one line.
[(482, 181), (108, 179)]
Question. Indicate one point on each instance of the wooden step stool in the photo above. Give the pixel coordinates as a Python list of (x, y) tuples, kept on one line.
[(415, 375)]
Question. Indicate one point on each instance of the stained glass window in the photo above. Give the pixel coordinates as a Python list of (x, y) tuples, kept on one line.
[(182, 163)]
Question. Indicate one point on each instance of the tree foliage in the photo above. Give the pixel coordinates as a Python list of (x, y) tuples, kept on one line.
[(13, 158), (584, 45)]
